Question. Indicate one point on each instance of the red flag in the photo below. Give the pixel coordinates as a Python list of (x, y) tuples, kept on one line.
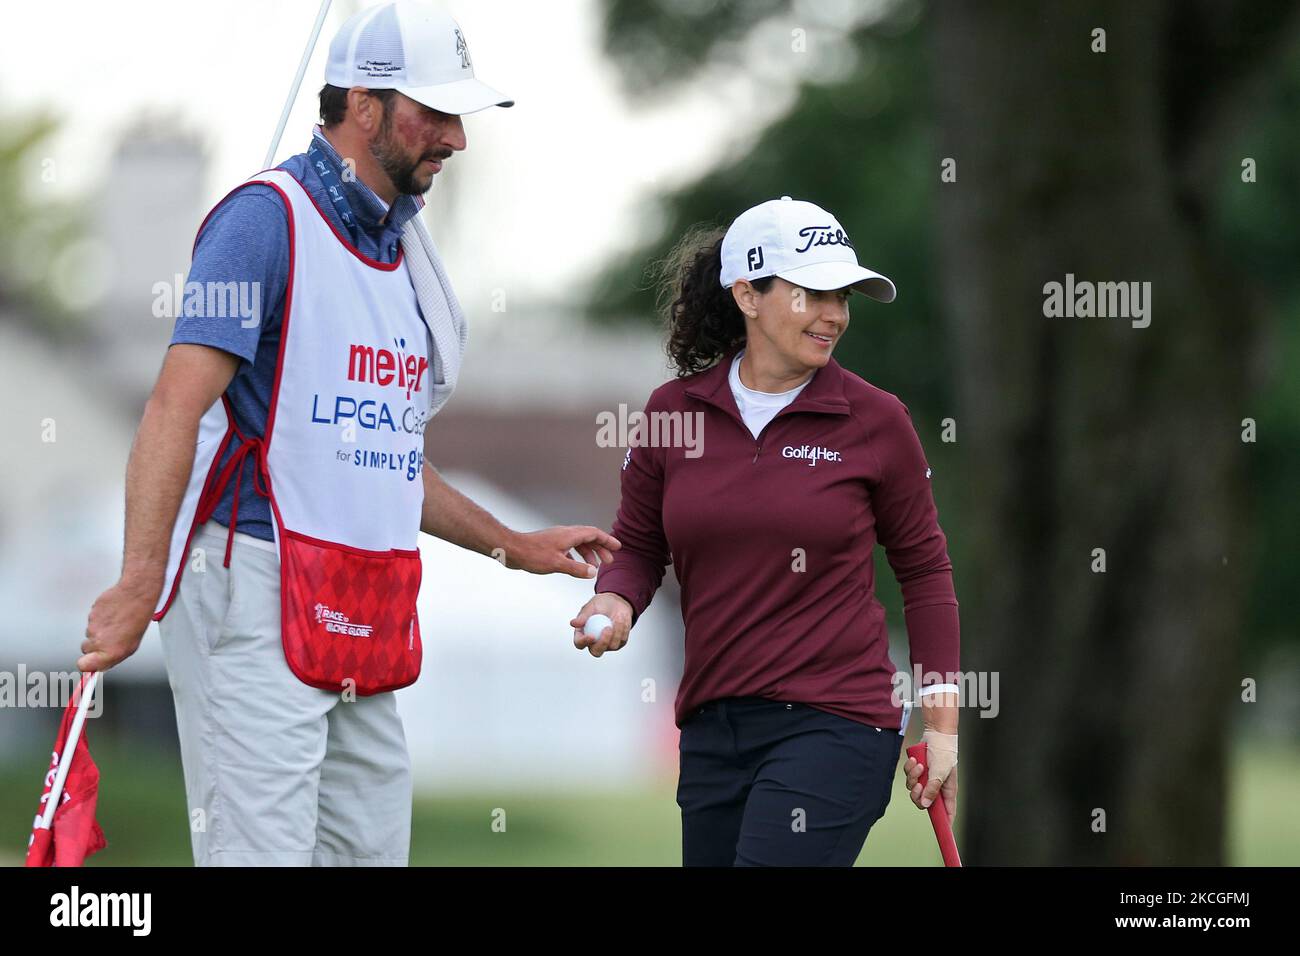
[(74, 834)]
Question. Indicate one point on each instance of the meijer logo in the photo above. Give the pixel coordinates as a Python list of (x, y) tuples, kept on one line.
[(384, 368)]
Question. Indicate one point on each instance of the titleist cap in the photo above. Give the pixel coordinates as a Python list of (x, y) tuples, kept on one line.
[(800, 242)]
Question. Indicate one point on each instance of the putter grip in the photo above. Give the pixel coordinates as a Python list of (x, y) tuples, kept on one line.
[(938, 812)]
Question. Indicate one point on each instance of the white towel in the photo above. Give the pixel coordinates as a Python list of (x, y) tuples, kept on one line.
[(442, 311)]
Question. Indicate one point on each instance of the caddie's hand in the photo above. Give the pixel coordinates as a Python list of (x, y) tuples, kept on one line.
[(614, 607), (941, 752), (115, 626), (547, 551)]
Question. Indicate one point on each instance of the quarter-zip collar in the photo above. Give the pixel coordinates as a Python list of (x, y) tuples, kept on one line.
[(824, 393)]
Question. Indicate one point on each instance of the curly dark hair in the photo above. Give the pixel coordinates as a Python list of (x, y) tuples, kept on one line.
[(702, 319)]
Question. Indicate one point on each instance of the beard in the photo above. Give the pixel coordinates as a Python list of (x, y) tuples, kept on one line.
[(401, 171)]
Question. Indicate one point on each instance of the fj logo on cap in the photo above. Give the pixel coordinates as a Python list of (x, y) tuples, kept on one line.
[(822, 236), (755, 258)]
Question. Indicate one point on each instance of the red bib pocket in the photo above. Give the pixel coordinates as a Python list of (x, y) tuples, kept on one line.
[(348, 617)]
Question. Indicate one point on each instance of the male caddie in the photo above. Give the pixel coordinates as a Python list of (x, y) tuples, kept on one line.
[(277, 484)]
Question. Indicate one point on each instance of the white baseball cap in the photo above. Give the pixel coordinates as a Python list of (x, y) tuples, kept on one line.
[(413, 48), (800, 242)]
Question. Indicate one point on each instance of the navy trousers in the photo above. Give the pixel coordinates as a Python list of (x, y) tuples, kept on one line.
[(768, 783)]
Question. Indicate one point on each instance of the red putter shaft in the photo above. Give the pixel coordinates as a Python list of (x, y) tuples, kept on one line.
[(938, 812)]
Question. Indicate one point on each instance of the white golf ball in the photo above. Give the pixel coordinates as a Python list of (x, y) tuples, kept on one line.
[(595, 625)]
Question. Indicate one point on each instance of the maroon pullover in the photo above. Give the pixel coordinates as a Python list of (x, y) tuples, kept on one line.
[(772, 543)]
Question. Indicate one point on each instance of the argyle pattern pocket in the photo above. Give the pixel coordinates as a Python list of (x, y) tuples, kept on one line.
[(348, 617)]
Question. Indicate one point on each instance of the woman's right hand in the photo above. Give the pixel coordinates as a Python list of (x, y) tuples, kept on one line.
[(615, 608), (941, 754)]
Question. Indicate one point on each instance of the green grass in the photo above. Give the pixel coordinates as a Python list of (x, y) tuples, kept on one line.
[(1262, 826), (142, 811)]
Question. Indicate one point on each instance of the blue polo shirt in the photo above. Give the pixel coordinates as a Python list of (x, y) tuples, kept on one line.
[(246, 239)]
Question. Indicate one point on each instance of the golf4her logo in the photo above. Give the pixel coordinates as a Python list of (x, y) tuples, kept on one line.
[(811, 453)]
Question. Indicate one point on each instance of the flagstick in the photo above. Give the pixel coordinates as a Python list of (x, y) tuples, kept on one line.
[(297, 82), (69, 748)]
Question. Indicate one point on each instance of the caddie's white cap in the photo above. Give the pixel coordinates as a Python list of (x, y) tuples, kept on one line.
[(800, 242), (413, 48)]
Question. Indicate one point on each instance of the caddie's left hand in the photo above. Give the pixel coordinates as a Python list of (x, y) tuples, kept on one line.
[(547, 551)]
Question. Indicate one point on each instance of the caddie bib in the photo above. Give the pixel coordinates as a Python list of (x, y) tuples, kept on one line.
[(340, 461)]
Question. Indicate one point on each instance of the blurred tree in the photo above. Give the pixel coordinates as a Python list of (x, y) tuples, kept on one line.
[(1109, 163), (1090, 433), (35, 230)]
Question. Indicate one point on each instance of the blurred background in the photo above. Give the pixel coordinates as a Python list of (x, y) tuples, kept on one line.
[(974, 152)]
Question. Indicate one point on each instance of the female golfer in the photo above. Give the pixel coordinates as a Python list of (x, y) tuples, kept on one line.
[(790, 724)]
